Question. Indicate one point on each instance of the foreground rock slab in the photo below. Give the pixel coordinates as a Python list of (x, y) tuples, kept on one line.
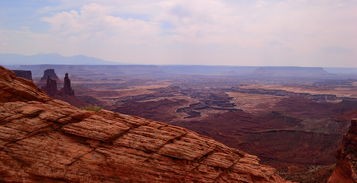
[(47, 140)]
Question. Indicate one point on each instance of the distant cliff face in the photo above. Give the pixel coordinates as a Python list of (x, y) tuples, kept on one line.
[(23, 74), (47, 140), (346, 167)]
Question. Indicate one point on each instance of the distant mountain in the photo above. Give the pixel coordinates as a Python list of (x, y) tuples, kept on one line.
[(51, 59), (341, 70), (208, 70), (294, 72)]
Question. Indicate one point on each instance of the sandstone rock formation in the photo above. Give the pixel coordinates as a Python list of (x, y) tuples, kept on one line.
[(51, 87), (346, 167), (23, 74), (67, 88), (49, 73), (66, 93), (47, 140)]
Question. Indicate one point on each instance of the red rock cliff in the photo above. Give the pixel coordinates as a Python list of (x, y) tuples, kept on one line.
[(346, 167), (47, 140)]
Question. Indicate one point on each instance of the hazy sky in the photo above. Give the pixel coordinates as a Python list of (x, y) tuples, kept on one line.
[(218, 32)]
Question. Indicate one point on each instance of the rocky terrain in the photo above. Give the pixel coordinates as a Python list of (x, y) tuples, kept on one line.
[(346, 167), (292, 124), (293, 132), (47, 140)]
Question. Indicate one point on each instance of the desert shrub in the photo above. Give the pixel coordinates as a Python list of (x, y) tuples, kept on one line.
[(94, 108)]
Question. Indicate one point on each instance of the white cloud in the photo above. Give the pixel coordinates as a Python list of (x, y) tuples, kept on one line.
[(262, 32)]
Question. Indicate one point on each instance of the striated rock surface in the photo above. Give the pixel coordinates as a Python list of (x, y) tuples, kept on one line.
[(346, 167), (47, 140)]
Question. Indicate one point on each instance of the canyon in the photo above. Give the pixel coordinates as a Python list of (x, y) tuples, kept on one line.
[(181, 91), (294, 124)]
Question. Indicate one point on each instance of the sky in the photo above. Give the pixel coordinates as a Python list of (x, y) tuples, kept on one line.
[(191, 32)]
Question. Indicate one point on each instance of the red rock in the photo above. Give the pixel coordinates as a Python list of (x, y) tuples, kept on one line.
[(18, 89), (346, 166), (47, 140)]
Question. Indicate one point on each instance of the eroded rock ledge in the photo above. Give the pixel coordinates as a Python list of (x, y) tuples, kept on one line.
[(47, 140)]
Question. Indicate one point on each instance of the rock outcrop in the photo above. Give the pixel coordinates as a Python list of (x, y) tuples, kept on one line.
[(67, 88), (51, 87), (346, 166), (23, 74), (14, 89), (47, 140), (49, 73)]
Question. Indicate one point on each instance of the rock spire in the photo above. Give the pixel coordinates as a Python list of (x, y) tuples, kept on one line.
[(67, 88)]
